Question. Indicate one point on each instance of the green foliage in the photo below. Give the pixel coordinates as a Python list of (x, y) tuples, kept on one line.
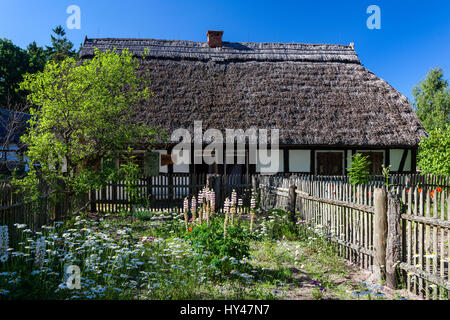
[(434, 152), (37, 57), (211, 239), (359, 172), (61, 47), (14, 63), (130, 172), (84, 115), (278, 225), (432, 100), (386, 172), (143, 214)]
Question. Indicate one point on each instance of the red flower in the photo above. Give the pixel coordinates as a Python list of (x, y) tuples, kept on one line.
[(420, 190), (407, 190), (439, 189)]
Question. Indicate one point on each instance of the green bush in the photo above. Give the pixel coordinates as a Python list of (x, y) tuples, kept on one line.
[(224, 251), (142, 214), (278, 226), (434, 152), (359, 172)]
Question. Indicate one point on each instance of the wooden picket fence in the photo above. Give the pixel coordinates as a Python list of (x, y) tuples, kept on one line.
[(167, 191), (426, 241), (15, 209), (344, 214), (398, 180), (411, 242)]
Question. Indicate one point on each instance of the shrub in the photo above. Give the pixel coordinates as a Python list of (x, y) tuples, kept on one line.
[(434, 152), (142, 214), (359, 171), (224, 251), (278, 225)]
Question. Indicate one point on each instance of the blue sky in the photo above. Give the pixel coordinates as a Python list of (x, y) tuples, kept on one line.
[(414, 35)]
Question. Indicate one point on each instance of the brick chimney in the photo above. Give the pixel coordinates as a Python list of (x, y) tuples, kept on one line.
[(214, 38)]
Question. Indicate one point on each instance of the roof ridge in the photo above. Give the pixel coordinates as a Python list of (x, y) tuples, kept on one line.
[(224, 42), (229, 51)]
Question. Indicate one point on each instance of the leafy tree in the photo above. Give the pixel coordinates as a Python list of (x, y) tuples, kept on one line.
[(432, 100), (61, 47), (37, 57), (85, 115), (434, 152), (13, 64), (359, 172)]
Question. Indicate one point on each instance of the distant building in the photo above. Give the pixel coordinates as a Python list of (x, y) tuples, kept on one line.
[(13, 124)]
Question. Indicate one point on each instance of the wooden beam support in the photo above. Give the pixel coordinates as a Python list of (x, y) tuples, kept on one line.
[(313, 161), (413, 160), (387, 157), (402, 161), (286, 159)]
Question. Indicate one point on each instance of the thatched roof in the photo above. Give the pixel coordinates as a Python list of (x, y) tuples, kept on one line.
[(315, 94)]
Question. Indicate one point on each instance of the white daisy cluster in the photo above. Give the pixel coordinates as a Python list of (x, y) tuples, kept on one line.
[(40, 252), (4, 243)]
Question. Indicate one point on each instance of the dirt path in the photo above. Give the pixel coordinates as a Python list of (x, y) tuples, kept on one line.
[(315, 275)]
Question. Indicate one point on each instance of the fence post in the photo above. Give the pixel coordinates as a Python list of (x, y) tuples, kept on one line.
[(255, 188), (255, 184), (194, 183), (217, 191), (380, 233), (291, 202), (93, 202), (394, 237)]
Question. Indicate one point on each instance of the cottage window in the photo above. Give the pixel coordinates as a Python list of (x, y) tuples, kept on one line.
[(299, 160), (376, 160), (329, 163)]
